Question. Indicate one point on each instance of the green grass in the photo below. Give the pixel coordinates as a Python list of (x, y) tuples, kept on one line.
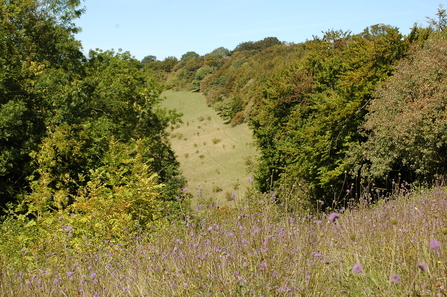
[(222, 148)]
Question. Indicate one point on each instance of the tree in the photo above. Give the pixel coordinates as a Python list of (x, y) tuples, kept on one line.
[(148, 59), (50, 90), (407, 123), (439, 24), (310, 113), (168, 63), (36, 37), (258, 45), (221, 52), (188, 56)]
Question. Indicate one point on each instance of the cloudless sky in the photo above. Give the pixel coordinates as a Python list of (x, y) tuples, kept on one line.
[(165, 28)]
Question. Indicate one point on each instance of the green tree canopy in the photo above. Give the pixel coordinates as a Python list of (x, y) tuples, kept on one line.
[(148, 59), (407, 124), (221, 52), (258, 45), (49, 90), (310, 113), (188, 56)]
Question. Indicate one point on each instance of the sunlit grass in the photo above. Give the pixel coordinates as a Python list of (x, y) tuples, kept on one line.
[(210, 144), (392, 248)]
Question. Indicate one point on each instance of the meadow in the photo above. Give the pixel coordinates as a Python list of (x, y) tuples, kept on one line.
[(215, 157), (394, 247)]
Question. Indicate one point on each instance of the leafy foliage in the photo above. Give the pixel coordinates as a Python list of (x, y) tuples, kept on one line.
[(310, 113), (407, 123), (79, 134), (258, 45), (36, 39)]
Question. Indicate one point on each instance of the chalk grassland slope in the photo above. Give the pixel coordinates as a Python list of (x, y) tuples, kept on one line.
[(213, 155)]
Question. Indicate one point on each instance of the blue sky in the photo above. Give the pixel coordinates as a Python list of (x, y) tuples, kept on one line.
[(173, 27)]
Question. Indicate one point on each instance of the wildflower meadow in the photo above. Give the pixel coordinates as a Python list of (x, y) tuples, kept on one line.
[(390, 247)]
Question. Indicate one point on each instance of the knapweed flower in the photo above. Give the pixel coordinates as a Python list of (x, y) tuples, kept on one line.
[(264, 265), (357, 268), (395, 278), (423, 266), (333, 217), (434, 244)]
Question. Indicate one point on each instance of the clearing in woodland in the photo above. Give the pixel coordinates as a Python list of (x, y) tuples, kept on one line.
[(215, 157)]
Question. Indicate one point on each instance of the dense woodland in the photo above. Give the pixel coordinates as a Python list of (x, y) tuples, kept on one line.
[(334, 117), (338, 116)]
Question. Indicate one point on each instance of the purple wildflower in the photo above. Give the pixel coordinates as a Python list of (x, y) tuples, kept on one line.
[(357, 268), (333, 216), (434, 244), (199, 207), (264, 265), (423, 266), (395, 278)]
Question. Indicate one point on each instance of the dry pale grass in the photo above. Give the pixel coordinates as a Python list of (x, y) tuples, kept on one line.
[(212, 154), (392, 248)]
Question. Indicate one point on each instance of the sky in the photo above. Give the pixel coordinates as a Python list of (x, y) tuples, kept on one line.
[(165, 28)]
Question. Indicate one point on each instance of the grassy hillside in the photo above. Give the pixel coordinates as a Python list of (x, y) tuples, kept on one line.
[(213, 155)]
